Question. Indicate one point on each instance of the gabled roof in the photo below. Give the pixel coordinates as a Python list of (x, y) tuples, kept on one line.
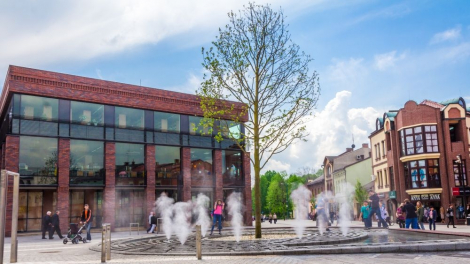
[(317, 180), (331, 158), (391, 115), (432, 104)]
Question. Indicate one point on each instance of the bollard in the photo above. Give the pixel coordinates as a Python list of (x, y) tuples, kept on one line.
[(103, 244), (14, 215), (198, 242), (108, 243)]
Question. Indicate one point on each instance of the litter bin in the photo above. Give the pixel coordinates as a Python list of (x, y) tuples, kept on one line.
[(468, 220)]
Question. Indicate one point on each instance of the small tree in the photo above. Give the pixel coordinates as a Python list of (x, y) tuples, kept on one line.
[(254, 61), (360, 193)]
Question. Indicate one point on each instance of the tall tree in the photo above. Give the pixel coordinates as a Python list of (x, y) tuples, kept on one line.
[(254, 61), (360, 193)]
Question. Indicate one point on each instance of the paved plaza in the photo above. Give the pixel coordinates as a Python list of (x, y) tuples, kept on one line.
[(32, 249)]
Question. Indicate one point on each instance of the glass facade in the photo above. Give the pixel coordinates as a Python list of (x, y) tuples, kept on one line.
[(38, 108), (130, 206), (32, 206), (167, 165), (230, 129), (195, 127), (201, 168), (166, 122), (86, 162), (87, 113), (38, 161), (460, 175), (129, 118), (232, 167), (130, 164)]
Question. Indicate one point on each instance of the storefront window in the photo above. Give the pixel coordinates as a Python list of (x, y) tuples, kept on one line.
[(130, 164), (30, 211), (167, 165), (166, 122), (39, 108), (130, 208), (38, 160), (201, 167), (129, 118), (232, 167), (423, 174), (87, 114), (86, 162)]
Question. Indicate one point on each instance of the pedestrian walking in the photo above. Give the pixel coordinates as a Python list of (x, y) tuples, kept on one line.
[(150, 221), (217, 215), (400, 214), (47, 225), (153, 223), (56, 225), (450, 216), (442, 212), (411, 216), (275, 218), (270, 218), (432, 219), (322, 218), (86, 220), (383, 213), (375, 208), (420, 213), (365, 215)]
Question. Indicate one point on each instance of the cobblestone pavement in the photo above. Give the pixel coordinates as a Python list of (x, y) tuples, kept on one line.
[(32, 249)]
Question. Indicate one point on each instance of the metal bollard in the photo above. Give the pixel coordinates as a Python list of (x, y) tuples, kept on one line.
[(103, 244), (108, 246), (198, 242)]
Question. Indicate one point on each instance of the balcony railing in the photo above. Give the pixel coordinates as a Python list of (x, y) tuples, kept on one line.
[(87, 177), (38, 176)]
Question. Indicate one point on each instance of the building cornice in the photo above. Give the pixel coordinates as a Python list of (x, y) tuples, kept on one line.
[(420, 157), (415, 125), (424, 191)]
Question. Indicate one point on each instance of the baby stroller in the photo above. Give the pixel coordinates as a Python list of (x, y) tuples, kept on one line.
[(74, 234)]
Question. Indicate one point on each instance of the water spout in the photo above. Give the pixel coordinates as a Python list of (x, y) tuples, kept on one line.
[(235, 207), (301, 198)]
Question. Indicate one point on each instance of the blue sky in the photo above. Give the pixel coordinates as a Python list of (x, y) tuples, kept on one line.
[(371, 55)]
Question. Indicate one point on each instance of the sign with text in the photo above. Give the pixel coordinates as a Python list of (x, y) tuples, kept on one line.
[(456, 191), (426, 197), (392, 194)]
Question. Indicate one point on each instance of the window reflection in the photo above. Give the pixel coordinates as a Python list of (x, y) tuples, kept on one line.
[(130, 164), (423, 174), (201, 167), (230, 129), (86, 162), (87, 114), (232, 167), (195, 127), (39, 108), (167, 165), (129, 118), (38, 157), (166, 122)]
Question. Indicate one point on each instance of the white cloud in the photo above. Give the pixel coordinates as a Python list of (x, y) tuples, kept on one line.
[(387, 60), (450, 34), (388, 12), (276, 165), (190, 86), (331, 132), (346, 72)]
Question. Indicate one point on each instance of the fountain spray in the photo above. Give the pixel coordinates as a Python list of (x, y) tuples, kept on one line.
[(301, 198), (234, 207)]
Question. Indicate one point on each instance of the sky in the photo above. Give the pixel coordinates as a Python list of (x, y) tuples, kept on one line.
[(371, 55)]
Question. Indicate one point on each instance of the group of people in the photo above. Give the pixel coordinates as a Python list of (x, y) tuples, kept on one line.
[(371, 207), (51, 224), (271, 218)]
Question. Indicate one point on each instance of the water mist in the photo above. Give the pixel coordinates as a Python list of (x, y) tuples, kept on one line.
[(234, 207), (164, 208), (301, 198), (182, 220), (323, 199), (201, 211), (345, 200)]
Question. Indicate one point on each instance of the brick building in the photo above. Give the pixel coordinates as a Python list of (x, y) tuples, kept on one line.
[(426, 152), (117, 147)]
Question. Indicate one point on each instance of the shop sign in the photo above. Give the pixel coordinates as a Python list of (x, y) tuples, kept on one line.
[(456, 191), (392, 194), (381, 195), (426, 197)]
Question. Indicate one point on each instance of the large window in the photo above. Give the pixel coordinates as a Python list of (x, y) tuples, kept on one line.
[(195, 127), (38, 160), (232, 167), (230, 129), (166, 122), (460, 175), (39, 108), (130, 166), (422, 174), (201, 167), (167, 165), (130, 206), (418, 140), (86, 162), (129, 118), (87, 114), (30, 210)]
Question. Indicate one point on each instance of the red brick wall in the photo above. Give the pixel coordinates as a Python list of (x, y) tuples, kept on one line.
[(150, 166), (109, 195), (12, 147), (248, 201), (63, 183), (219, 182), (58, 85), (186, 171)]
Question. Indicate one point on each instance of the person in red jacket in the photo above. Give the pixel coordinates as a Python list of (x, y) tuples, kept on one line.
[(86, 219)]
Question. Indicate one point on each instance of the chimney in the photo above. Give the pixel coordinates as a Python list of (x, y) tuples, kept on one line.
[(349, 149), (365, 145)]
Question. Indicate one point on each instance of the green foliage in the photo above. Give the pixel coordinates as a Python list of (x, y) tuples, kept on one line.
[(360, 193), (277, 198)]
